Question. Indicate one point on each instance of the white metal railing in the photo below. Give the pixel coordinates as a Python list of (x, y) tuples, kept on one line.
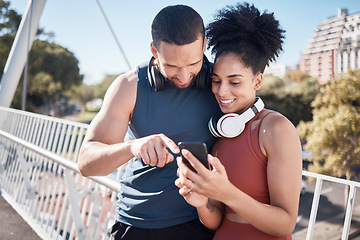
[(316, 198), (40, 179)]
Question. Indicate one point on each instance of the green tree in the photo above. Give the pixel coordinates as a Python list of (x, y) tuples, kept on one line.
[(56, 60), (102, 87), (272, 85), (82, 93), (9, 19), (9, 23), (296, 75), (291, 97), (85, 93), (43, 88), (48, 62), (333, 136)]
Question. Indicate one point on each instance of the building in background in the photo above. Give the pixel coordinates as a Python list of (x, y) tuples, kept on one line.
[(278, 69), (334, 47)]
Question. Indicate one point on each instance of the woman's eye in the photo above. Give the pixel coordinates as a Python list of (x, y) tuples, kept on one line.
[(215, 80)]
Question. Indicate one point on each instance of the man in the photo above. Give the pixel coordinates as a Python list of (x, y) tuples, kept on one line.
[(159, 104)]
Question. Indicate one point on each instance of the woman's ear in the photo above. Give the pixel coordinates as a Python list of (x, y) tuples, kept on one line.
[(258, 81)]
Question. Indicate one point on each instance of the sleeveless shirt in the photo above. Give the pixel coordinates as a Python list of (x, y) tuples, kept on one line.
[(148, 197), (246, 167)]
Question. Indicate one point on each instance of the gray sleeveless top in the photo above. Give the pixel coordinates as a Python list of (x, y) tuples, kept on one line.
[(148, 197)]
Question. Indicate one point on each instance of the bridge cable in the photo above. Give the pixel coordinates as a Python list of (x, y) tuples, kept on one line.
[(112, 32)]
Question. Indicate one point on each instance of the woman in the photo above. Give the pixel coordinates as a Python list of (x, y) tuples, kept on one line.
[(253, 189)]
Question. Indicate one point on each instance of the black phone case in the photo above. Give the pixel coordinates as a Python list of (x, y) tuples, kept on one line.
[(198, 149)]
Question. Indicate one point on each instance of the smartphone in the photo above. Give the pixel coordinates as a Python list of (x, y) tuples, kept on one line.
[(198, 149)]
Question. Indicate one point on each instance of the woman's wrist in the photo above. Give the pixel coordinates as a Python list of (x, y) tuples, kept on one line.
[(207, 207), (204, 206)]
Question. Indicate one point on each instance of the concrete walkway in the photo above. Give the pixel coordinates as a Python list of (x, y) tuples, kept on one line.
[(332, 228), (13, 227)]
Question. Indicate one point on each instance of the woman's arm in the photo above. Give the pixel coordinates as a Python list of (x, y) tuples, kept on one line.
[(280, 143), (211, 214), (210, 211)]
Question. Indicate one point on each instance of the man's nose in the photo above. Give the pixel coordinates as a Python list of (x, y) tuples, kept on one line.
[(184, 75)]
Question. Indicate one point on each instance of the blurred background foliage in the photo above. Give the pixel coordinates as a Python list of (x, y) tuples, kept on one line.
[(333, 136)]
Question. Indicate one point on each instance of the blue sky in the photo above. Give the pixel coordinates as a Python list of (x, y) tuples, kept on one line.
[(79, 26)]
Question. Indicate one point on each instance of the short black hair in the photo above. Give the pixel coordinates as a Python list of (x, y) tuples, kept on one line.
[(241, 29), (178, 24)]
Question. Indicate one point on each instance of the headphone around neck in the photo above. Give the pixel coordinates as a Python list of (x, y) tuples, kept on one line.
[(232, 125), (157, 80)]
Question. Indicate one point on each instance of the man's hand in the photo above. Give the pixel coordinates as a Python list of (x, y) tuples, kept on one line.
[(152, 149)]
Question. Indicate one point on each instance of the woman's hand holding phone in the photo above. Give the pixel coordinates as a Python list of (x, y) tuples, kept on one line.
[(198, 150), (205, 183), (185, 184)]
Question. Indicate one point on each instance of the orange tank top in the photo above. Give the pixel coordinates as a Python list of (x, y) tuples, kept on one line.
[(246, 167)]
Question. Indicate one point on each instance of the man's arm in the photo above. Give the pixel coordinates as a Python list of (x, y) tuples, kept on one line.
[(103, 149)]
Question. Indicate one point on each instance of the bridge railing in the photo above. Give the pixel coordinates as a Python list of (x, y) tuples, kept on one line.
[(320, 179), (40, 179)]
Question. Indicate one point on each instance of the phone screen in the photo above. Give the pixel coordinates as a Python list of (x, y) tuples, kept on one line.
[(198, 149)]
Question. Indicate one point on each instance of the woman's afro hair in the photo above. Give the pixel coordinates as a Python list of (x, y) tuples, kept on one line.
[(243, 30)]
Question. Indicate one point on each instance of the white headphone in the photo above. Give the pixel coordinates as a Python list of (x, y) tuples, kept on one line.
[(231, 125)]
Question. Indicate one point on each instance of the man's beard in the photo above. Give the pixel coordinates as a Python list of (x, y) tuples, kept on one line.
[(174, 81)]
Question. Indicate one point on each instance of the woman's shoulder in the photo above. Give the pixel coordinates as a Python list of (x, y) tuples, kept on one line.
[(275, 123), (275, 119), (277, 131)]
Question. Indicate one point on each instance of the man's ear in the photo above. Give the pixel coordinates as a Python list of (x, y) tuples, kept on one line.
[(153, 50), (204, 45), (258, 81)]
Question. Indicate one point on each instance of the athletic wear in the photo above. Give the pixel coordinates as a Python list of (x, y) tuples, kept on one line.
[(246, 167), (148, 197), (185, 231)]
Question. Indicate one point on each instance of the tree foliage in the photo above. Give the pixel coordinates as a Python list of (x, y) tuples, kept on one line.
[(291, 96), (102, 87), (9, 23), (296, 75), (55, 60), (82, 93), (333, 136), (52, 68), (9, 19), (85, 93)]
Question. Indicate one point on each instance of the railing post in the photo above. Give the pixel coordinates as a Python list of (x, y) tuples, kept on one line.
[(24, 166), (314, 208), (349, 211), (74, 198)]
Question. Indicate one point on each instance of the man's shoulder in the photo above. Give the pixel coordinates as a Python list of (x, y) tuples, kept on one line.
[(126, 79), (123, 87)]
